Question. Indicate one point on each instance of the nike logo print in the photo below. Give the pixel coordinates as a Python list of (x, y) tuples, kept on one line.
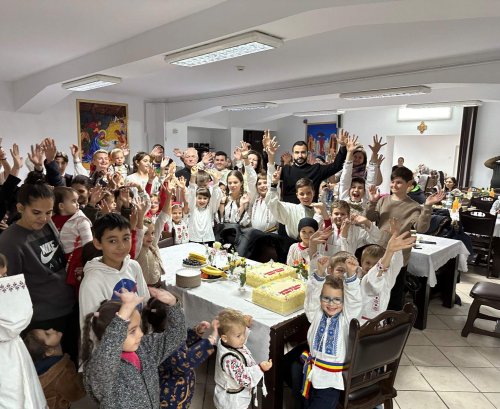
[(46, 258)]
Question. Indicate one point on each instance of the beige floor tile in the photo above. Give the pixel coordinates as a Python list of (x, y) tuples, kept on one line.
[(485, 379), (198, 397), (465, 400), (453, 321), (491, 354), (494, 398), (466, 357), (201, 373), (491, 311), (208, 403), (438, 309), (426, 356), (419, 400), (417, 337), (435, 322), (446, 379), (404, 361), (445, 338), (410, 379), (85, 403), (478, 340)]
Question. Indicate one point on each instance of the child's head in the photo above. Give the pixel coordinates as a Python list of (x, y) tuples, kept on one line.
[(401, 180), (112, 236), (232, 328), (255, 159), (340, 211), (66, 201), (149, 233), (3, 265), (155, 315), (35, 203), (370, 256), (307, 227), (110, 200), (117, 157), (155, 204), (202, 197), (98, 322), (223, 188), (304, 189), (82, 184), (332, 296), (337, 266), (142, 162), (202, 178), (359, 158), (100, 159), (235, 183), (261, 184), (43, 343), (450, 183), (357, 190), (177, 212), (62, 161)]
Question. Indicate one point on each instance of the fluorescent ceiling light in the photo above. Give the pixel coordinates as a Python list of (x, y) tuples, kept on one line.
[(232, 47), (472, 103), (93, 82), (249, 107), (424, 114), (318, 113), (386, 93)]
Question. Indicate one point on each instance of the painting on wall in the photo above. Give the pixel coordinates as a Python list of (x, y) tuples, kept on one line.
[(321, 139), (101, 125)]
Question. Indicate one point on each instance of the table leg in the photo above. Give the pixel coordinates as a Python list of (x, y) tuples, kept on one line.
[(448, 275), (422, 303)]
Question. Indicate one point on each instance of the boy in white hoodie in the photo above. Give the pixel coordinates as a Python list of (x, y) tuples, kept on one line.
[(103, 276)]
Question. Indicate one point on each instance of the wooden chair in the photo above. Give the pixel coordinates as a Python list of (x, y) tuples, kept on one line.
[(483, 203), (484, 294), (480, 225), (372, 359)]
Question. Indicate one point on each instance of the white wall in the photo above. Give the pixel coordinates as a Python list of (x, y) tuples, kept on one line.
[(60, 123), (486, 143)]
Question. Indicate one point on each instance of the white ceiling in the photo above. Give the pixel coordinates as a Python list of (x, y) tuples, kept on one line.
[(340, 42)]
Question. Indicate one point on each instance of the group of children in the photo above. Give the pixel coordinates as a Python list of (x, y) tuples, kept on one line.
[(100, 247)]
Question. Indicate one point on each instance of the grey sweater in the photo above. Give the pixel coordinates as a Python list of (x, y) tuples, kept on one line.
[(115, 383)]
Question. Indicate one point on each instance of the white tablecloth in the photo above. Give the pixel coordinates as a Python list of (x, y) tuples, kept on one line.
[(204, 302), (496, 232), (425, 261)]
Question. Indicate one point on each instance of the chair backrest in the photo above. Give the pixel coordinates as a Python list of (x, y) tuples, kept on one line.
[(431, 183), (483, 203), (478, 222), (374, 350)]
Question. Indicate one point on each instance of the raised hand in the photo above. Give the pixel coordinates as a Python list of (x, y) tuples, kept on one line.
[(129, 302), (151, 174), (266, 365), (16, 157), (378, 160), (352, 144), (201, 328), (351, 266), (245, 148), (344, 228), (276, 175), (272, 147), (377, 145), (181, 182), (320, 236), (36, 156), (237, 153), (164, 163), (163, 296), (266, 138), (75, 151), (401, 242), (342, 138), (156, 152), (50, 149), (125, 149), (361, 220), (104, 207), (96, 194), (373, 193), (208, 158), (435, 198), (286, 158), (323, 263), (245, 199), (178, 152)]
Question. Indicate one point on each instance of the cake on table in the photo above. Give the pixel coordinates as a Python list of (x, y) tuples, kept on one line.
[(267, 272), (282, 296)]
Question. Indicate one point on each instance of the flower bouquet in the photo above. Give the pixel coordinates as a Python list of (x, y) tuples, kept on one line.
[(302, 269)]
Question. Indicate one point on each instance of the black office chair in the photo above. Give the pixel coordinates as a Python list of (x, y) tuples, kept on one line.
[(480, 225), (483, 203), (372, 359)]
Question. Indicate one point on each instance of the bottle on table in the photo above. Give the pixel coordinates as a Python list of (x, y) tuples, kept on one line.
[(449, 200), (456, 205)]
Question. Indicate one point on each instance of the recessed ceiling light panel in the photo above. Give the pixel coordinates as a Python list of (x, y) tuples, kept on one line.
[(92, 82), (386, 93), (318, 113), (249, 107), (232, 47)]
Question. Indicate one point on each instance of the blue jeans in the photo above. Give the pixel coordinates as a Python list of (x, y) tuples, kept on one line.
[(322, 398)]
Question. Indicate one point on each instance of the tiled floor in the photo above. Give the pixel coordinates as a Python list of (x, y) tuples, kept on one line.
[(439, 368)]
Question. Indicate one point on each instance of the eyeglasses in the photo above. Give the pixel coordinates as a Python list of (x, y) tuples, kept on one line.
[(330, 300)]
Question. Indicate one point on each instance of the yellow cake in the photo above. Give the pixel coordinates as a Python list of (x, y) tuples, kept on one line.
[(282, 296), (267, 272)]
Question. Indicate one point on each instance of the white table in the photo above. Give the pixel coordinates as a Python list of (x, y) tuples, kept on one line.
[(496, 232), (424, 262), (203, 303)]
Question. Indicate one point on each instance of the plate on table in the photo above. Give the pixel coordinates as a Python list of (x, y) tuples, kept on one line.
[(193, 266), (211, 280)]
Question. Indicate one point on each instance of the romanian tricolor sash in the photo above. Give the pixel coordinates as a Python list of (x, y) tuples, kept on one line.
[(309, 362)]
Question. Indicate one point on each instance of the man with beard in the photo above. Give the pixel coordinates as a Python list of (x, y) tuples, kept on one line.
[(299, 168)]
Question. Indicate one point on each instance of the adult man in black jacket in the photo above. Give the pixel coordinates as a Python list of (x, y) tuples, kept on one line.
[(301, 169)]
